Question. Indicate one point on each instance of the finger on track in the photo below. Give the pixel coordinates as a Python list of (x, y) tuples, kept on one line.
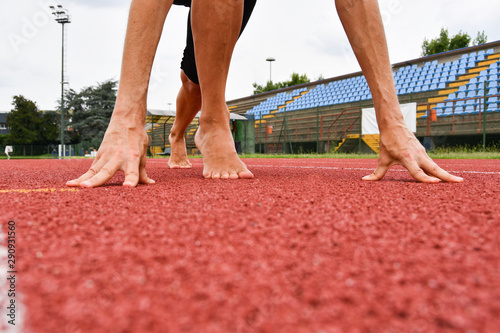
[(431, 168), (104, 174)]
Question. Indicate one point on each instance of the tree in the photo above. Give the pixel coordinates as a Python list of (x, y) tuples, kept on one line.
[(24, 122), (295, 79), (480, 39), (438, 45), (49, 127), (91, 110), (459, 41), (29, 126), (443, 43)]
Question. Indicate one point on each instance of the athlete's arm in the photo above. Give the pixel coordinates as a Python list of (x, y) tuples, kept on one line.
[(363, 25), (124, 146)]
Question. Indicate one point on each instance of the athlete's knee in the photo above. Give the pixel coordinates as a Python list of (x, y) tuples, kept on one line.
[(191, 87)]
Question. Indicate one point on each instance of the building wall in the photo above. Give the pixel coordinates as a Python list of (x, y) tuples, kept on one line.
[(3, 123)]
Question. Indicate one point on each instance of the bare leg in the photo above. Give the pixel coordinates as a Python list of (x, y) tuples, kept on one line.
[(363, 25), (188, 105), (216, 25)]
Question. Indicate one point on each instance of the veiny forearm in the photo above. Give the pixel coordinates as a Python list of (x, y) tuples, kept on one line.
[(363, 25), (144, 30)]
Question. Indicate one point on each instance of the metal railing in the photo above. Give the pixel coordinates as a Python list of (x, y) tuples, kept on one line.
[(326, 128), (458, 118)]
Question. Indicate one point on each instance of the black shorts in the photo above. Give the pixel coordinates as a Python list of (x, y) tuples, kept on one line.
[(188, 64)]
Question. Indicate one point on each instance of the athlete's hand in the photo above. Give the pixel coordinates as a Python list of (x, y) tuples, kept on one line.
[(123, 148), (400, 147)]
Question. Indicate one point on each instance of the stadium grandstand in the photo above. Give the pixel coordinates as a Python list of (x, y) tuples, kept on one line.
[(456, 92)]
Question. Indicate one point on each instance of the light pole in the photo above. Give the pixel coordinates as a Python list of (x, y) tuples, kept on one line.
[(61, 16), (270, 65)]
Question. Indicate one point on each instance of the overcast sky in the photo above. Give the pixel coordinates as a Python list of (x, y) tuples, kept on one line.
[(303, 36)]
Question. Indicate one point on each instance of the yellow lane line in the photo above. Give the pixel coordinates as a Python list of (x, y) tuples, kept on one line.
[(39, 190)]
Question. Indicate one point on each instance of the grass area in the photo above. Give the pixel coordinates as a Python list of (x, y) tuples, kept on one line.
[(465, 155), (467, 152), (439, 153), (434, 155), (331, 155), (38, 157)]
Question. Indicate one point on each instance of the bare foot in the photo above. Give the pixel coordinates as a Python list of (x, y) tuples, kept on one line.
[(220, 159), (178, 156)]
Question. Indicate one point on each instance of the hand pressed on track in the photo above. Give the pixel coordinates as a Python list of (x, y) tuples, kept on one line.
[(123, 149), (401, 147)]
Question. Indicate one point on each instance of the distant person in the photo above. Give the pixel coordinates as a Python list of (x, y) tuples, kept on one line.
[(216, 25), (8, 149)]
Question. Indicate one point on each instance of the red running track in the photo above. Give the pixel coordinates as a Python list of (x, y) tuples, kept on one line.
[(306, 246)]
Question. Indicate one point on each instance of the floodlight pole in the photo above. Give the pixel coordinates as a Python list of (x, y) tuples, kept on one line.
[(270, 65), (61, 16)]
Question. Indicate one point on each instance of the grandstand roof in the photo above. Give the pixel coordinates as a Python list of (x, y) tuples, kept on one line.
[(167, 116)]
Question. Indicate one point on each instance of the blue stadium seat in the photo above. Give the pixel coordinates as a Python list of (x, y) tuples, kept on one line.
[(471, 87), (492, 84), (447, 111), (493, 107), (492, 100), (492, 91), (451, 96), (469, 109)]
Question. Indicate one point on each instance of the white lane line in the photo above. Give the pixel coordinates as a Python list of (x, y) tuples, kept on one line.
[(341, 168), (363, 169), (6, 290)]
